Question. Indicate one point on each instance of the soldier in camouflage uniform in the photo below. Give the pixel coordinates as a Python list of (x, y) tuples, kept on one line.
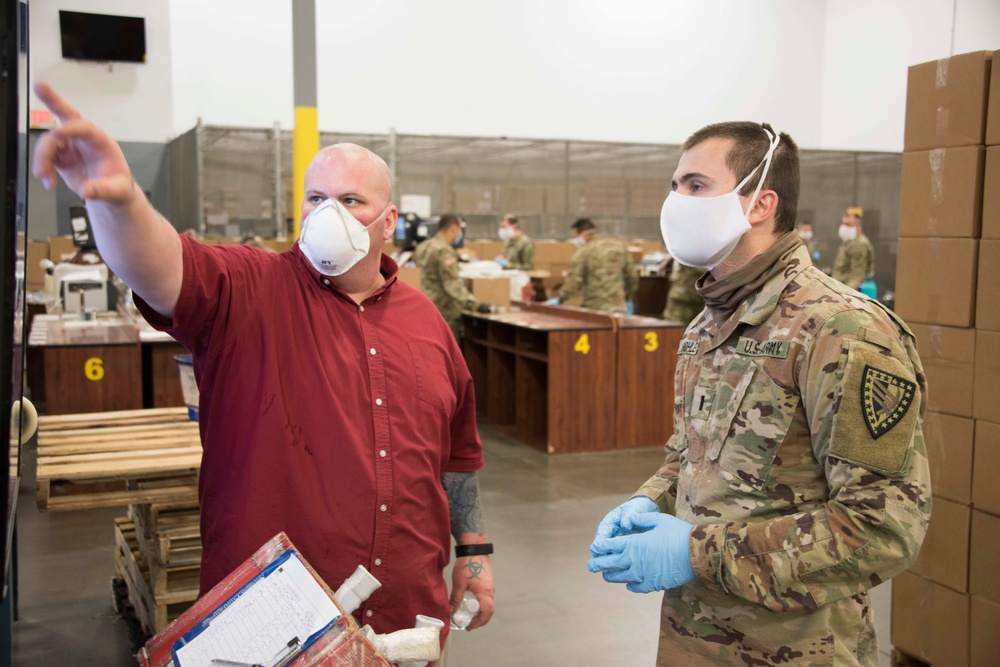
[(806, 234), (518, 250), (602, 269), (855, 261), (438, 262), (797, 477), (683, 301)]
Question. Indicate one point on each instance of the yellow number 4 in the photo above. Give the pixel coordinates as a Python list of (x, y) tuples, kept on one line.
[(582, 344), (94, 369), (652, 342)]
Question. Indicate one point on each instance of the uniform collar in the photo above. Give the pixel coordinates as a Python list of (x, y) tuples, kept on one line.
[(759, 306)]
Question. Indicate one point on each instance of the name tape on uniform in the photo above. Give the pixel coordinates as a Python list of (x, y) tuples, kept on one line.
[(762, 348), (688, 347)]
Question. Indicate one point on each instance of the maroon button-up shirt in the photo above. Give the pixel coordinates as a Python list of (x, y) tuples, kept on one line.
[(326, 419)]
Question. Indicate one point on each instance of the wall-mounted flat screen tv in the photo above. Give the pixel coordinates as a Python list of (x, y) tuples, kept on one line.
[(102, 37)]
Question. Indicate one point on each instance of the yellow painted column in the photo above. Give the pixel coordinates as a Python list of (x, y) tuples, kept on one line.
[(305, 145)]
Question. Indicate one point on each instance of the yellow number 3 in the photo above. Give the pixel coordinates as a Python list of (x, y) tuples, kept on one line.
[(651, 342), (94, 369), (582, 344)]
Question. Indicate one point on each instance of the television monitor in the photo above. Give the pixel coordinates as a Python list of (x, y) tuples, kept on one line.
[(102, 37)]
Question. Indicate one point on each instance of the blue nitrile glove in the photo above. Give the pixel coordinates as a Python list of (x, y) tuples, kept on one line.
[(611, 524), (868, 289), (554, 301), (655, 559), (630, 307), (501, 261)]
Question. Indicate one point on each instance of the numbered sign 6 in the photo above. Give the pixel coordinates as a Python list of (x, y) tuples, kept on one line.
[(93, 368)]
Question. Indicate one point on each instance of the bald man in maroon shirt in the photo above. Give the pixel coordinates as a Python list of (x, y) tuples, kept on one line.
[(336, 408)]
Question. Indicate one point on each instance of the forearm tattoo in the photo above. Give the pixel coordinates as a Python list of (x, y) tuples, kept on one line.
[(462, 489)]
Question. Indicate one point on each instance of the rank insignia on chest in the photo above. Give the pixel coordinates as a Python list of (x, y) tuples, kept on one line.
[(885, 399)]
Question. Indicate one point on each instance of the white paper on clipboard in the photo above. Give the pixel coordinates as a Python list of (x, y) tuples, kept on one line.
[(258, 623)]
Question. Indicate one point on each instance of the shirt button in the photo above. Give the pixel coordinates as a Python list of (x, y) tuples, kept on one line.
[(378, 561), (362, 308), (369, 613), (384, 507), (382, 453), (326, 281), (372, 351), (378, 401)]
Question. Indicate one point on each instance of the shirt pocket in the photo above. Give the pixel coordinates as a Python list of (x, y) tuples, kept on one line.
[(432, 376), (754, 414)]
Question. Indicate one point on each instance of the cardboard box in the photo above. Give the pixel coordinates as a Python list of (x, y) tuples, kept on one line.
[(986, 469), (34, 274), (991, 193), (988, 288), (410, 275), (948, 356), (484, 248), (930, 621), (494, 291), (549, 252), (985, 403), (993, 112), (949, 442), (942, 193), (984, 575), (946, 102), (944, 556), (936, 281), (61, 248), (984, 640)]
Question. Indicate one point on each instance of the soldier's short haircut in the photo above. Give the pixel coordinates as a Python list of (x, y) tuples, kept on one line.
[(583, 225), (750, 144), (448, 220), (512, 219)]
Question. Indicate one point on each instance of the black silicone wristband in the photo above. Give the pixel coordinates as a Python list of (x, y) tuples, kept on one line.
[(463, 550)]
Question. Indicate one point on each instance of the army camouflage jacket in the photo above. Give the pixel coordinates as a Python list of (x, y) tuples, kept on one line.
[(798, 457), (519, 253), (603, 270), (855, 262), (438, 262)]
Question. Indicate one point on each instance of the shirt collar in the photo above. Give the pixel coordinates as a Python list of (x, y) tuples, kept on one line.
[(387, 267), (758, 307)]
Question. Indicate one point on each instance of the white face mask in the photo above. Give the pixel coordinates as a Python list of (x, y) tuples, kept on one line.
[(703, 231), (506, 233), (579, 241), (333, 240), (805, 236), (847, 233)]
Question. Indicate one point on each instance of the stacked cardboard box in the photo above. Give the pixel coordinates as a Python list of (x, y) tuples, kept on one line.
[(646, 196), (946, 609), (604, 195)]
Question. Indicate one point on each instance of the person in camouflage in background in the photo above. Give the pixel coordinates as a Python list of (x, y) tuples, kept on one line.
[(797, 476), (855, 261), (438, 262), (683, 301), (518, 250), (602, 269)]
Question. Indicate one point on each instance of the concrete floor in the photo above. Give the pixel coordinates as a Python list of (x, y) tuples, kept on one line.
[(541, 513)]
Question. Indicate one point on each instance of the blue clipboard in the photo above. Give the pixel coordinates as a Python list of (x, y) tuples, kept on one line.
[(296, 647)]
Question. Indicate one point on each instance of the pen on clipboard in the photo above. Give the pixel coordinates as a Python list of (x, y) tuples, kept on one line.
[(279, 659)]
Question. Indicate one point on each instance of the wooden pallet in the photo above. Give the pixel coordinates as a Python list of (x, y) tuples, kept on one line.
[(154, 612), (109, 459), (169, 534)]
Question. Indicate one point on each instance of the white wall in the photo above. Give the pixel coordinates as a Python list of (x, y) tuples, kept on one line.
[(132, 101), (869, 44), (830, 72)]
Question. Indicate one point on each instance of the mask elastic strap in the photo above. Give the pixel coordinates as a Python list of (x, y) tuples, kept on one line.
[(350, 235), (766, 162)]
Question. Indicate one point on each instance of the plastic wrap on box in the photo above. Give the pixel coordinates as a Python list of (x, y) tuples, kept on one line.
[(341, 645)]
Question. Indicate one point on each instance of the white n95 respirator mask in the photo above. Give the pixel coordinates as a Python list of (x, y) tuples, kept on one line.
[(333, 240), (703, 231)]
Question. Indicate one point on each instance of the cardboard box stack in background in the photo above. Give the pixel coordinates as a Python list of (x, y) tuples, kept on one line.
[(946, 608)]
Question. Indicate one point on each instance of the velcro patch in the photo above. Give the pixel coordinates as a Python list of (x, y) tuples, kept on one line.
[(875, 419), (688, 347), (885, 400), (762, 348)]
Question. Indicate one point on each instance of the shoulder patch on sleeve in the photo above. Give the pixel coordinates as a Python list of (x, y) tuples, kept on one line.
[(877, 413)]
